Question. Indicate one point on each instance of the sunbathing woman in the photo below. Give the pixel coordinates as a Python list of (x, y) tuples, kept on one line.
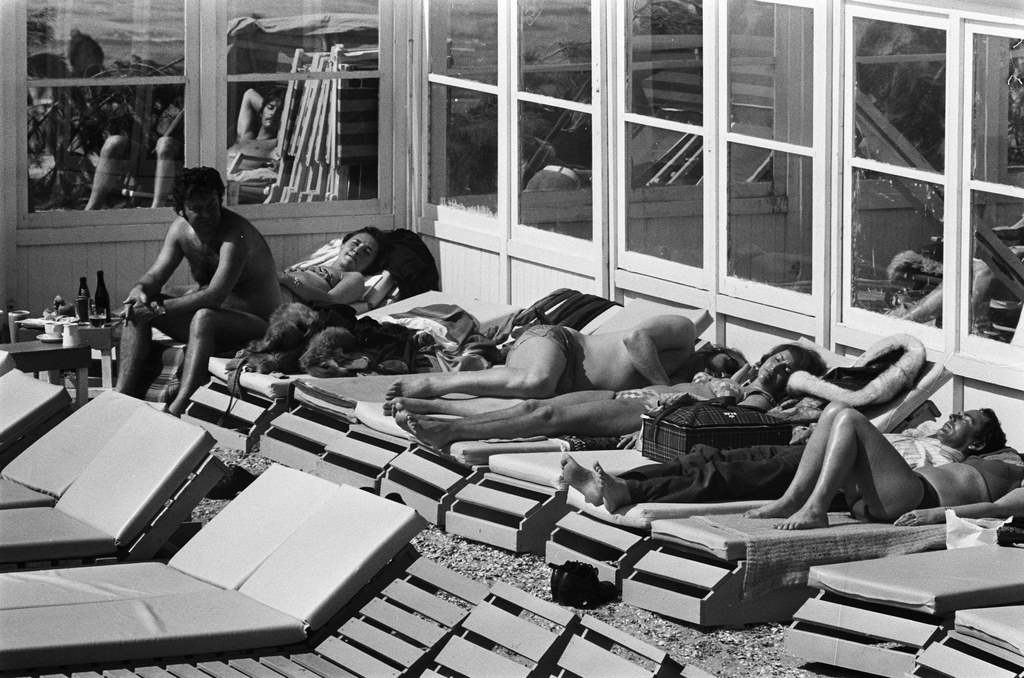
[(340, 279), (846, 452), (607, 412)]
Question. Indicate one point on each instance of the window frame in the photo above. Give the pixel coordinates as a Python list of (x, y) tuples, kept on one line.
[(206, 80)]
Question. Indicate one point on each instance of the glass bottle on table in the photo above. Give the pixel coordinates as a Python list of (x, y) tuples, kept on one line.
[(82, 301), (100, 313)]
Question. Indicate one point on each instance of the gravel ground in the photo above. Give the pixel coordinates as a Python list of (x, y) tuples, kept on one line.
[(752, 651)]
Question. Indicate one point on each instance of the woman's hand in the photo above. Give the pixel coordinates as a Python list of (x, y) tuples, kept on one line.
[(629, 441), (930, 516)]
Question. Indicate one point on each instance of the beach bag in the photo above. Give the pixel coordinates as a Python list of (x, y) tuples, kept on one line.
[(671, 430)]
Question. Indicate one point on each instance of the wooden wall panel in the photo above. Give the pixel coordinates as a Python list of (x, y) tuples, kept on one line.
[(532, 281), (468, 272)]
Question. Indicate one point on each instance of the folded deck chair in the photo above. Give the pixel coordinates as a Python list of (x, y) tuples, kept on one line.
[(41, 474), (28, 408), (986, 641), (511, 633), (875, 615), (238, 414), (272, 569), (124, 504)]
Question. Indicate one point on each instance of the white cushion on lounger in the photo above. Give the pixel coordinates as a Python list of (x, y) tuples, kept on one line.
[(480, 452), (42, 533), (15, 495), (56, 460), (545, 468), (271, 386), (372, 414), (639, 516), (144, 462), (291, 532), (486, 313), (1002, 626), (6, 363), (937, 582), (26, 402)]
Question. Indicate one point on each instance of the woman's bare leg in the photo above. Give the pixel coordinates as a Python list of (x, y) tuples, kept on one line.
[(459, 407), (602, 418), (806, 472), (875, 475)]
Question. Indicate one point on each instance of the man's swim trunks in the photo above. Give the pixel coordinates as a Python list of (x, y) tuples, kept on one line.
[(567, 341)]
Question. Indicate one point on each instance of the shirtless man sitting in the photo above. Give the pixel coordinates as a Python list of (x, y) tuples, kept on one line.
[(237, 286), (549, 360)]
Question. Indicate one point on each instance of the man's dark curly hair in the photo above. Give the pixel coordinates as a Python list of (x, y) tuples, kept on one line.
[(196, 180), (382, 247), (991, 432)]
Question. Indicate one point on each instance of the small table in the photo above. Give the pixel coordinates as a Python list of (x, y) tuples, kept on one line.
[(103, 339), (37, 356)]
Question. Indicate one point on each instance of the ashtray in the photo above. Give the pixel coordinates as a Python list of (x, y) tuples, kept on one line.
[(49, 338)]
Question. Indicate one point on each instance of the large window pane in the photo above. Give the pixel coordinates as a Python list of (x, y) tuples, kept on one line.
[(464, 39), (92, 146), (997, 275), (770, 223), (463, 149), (80, 39), (555, 170), (900, 80), (667, 60), (554, 48), (998, 129), (263, 35), (664, 205), (311, 138), (897, 247), (771, 74)]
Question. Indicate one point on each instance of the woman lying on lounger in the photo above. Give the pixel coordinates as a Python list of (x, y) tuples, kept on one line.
[(598, 412), (846, 452), (338, 280)]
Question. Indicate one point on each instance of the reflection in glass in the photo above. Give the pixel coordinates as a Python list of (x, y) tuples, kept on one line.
[(104, 147), (770, 222), (666, 68), (997, 274), (464, 39), (664, 205), (555, 160), (998, 116), (74, 39), (554, 48), (263, 35), (771, 75), (463, 149), (897, 246), (900, 76)]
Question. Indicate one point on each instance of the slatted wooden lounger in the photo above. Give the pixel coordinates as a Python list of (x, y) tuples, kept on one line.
[(275, 569), (29, 407), (985, 641), (876, 615), (511, 633), (124, 504)]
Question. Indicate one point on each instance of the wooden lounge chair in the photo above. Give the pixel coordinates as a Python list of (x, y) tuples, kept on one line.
[(511, 633), (876, 615), (986, 641), (273, 569), (41, 474), (124, 504), (28, 408)]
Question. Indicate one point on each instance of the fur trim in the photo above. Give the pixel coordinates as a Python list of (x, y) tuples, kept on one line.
[(882, 388)]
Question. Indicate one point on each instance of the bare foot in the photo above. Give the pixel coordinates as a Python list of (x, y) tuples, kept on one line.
[(415, 405), (780, 508), (431, 433), (583, 480), (613, 489), (804, 519), (415, 386)]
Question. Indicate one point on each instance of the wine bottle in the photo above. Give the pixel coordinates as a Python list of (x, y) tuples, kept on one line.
[(82, 301), (102, 298)]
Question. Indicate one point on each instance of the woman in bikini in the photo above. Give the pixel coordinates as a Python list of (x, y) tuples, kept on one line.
[(339, 280), (846, 452)]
